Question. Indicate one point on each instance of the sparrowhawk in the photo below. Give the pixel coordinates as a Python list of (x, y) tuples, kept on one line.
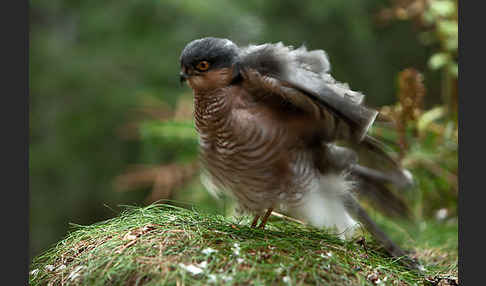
[(277, 131)]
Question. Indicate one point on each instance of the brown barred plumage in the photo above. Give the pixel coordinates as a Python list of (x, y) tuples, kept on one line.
[(269, 118)]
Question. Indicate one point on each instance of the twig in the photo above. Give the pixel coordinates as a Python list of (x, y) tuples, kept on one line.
[(279, 215)]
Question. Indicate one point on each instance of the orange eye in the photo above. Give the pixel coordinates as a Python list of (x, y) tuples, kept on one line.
[(203, 66)]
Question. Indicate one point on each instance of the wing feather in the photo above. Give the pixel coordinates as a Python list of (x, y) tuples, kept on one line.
[(302, 78), (272, 85), (308, 73)]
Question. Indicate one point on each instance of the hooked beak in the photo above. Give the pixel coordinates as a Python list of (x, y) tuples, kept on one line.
[(183, 77)]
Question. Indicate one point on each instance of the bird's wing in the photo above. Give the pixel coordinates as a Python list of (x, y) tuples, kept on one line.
[(372, 182), (302, 78)]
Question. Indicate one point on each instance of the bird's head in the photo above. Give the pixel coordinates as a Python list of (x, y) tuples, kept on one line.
[(209, 63)]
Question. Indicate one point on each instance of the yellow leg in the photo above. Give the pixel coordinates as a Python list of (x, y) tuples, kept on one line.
[(255, 220), (265, 218)]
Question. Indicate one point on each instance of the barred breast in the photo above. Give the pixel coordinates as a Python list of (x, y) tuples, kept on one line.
[(249, 151)]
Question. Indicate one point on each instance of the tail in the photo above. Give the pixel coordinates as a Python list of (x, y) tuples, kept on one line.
[(372, 185), (376, 181), (378, 158), (357, 212), (373, 182)]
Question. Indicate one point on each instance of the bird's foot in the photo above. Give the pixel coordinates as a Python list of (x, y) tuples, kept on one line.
[(255, 221), (265, 218)]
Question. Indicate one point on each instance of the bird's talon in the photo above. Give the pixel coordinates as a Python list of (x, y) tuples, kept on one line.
[(265, 218), (261, 226)]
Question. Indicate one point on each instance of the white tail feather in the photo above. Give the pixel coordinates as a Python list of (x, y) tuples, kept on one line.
[(322, 205)]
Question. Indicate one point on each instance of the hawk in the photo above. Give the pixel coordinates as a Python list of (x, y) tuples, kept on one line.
[(277, 131)]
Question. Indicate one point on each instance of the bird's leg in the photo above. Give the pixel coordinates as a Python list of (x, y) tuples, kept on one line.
[(265, 218), (255, 220)]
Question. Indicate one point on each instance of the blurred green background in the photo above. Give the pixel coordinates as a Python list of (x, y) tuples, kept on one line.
[(104, 79)]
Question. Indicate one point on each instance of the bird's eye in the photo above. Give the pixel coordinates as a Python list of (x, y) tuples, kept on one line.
[(202, 66)]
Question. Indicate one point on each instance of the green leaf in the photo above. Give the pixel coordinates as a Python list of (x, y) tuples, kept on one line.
[(428, 117), (439, 60), (453, 69), (442, 8), (448, 27)]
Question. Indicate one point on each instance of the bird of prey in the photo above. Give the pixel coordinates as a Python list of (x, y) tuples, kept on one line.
[(277, 131)]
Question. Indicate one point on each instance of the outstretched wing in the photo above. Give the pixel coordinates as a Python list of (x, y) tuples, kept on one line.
[(302, 78)]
